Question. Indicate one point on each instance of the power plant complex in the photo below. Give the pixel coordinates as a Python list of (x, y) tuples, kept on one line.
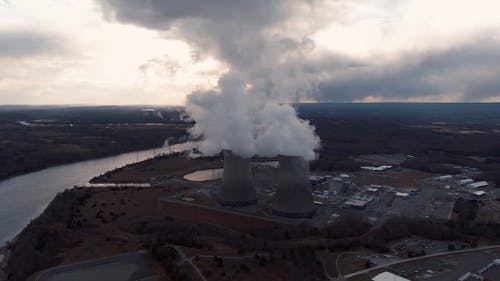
[(293, 197)]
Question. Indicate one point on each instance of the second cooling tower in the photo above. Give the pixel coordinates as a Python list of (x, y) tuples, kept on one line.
[(293, 197), (237, 185)]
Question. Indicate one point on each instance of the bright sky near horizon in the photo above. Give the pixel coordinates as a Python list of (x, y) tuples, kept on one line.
[(159, 51)]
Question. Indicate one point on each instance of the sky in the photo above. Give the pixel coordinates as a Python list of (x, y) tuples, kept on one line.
[(159, 51)]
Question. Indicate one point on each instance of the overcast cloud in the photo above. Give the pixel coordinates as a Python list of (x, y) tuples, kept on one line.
[(272, 44), (159, 51), (467, 72), (259, 39), (26, 43)]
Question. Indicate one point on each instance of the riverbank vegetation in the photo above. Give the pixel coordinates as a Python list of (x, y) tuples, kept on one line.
[(32, 138)]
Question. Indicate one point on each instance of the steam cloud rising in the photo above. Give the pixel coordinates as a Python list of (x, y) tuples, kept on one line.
[(263, 43), (232, 118), (270, 45)]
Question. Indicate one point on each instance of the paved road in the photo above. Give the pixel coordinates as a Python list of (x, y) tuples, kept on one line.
[(232, 257), (421, 258), (185, 258)]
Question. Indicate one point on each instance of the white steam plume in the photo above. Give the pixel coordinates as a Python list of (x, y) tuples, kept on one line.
[(267, 44), (232, 118), (223, 118)]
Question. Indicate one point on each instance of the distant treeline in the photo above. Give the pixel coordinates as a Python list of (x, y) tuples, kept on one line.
[(343, 136), (26, 149), (91, 114)]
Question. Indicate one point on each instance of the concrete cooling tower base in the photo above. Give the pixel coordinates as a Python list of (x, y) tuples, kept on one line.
[(293, 197), (237, 203), (237, 185), (304, 215)]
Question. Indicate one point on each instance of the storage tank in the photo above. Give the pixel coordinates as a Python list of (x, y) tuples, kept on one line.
[(337, 185)]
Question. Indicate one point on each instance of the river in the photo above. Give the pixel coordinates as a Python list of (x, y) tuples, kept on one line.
[(24, 197)]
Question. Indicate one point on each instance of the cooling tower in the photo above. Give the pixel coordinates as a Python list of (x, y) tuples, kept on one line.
[(293, 197), (237, 185)]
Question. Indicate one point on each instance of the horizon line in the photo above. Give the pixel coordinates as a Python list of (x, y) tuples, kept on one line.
[(295, 103)]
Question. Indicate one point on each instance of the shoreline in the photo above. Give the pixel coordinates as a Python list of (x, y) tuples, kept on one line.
[(35, 170), (144, 155)]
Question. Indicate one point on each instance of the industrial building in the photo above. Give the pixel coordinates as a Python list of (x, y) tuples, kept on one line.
[(478, 193), (237, 187), (465, 181), (346, 182), (379, 168), (293, 196), (387, 276), (356, 203), (319, 180), (337, 185), (478, 184), (444, 178), (345, 177), (403, 195)]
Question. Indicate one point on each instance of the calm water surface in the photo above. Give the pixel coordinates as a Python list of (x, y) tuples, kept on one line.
[(24, 197), (214, 174)]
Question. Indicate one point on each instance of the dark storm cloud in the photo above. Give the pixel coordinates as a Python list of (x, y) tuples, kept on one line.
[(26, 43), (232, 30), (161, 14), (471, 70)]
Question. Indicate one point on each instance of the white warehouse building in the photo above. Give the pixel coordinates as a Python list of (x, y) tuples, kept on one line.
[(478, 184)]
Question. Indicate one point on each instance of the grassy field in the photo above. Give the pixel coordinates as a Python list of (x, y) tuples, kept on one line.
[(351, 262)]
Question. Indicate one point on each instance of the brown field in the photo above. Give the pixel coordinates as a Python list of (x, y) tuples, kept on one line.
[(128, 204), (104, 237), (330, 260), (205, 215), (167, 166), (405, 178), (362, 277), (276, 270), (350, 262)]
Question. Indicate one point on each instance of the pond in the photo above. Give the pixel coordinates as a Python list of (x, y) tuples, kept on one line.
[(215, 174)]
